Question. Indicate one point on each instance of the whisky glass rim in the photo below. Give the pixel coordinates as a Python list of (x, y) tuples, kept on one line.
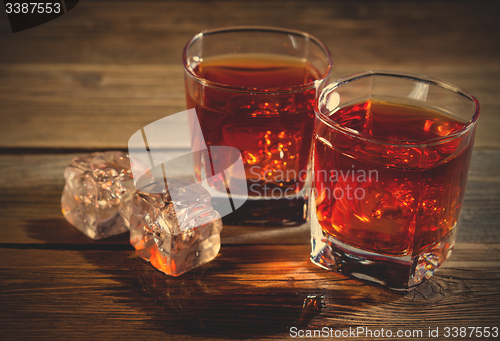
[(402, 143), (253, 90)]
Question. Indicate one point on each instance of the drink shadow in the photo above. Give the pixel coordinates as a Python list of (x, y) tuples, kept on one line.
[(247, 291)]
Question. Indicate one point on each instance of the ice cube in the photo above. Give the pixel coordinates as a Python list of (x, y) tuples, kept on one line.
[(175, 229), (98, 194)]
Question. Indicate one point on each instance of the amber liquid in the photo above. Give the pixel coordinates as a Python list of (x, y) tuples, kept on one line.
[(273, 131), (387, 198)]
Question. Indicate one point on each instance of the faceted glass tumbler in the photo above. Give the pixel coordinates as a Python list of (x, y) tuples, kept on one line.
[(390, 163), (254, 89)]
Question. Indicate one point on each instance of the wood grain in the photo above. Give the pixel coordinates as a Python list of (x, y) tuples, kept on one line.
[(98, 74), (31, 188), (154, 32), (101, 106), (247, 291), (91, 78)]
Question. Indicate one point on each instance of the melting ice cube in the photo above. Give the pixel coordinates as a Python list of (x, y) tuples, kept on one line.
[(175, 228), (98, 194)]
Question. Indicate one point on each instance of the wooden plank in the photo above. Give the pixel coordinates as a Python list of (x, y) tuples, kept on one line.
[(30, 207), (91, 78), (246, 292), (31, 187), (101, 106), (96, 75), (155, 32), (84, 106)]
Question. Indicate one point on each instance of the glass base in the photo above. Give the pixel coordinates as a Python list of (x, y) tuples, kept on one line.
[(397, 273), (269, 212)]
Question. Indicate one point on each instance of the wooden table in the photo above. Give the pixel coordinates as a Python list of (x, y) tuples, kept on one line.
[(89, 79)]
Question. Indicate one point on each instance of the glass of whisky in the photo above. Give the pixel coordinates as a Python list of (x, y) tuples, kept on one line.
[(254, 89), (390, 162)]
